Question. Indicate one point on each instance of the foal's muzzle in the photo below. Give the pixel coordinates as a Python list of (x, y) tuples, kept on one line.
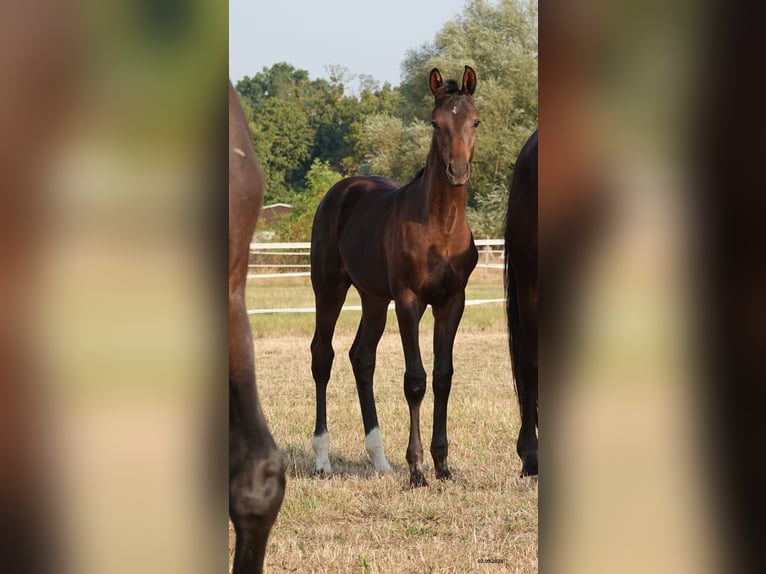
[(458, 173)]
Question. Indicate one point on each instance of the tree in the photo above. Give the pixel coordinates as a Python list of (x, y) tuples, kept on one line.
[(393, 149), (296, 120), (281, 81), (373, 101), (293, 120), (487, 217), (283, 138), (319, 179)]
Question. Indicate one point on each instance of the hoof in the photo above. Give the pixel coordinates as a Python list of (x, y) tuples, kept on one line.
[(417, 479), (320, 473), (529, 467), (373, 443), (444, 474), (321, 446)]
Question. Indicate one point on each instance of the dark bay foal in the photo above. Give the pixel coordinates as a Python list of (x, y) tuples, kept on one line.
[(409, 244)]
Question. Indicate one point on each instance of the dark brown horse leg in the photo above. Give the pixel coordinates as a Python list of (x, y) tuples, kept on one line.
[(408, 312), (329, 302), (526, 447), (362, 355), (446, 321), (255, 495), (256, 469)]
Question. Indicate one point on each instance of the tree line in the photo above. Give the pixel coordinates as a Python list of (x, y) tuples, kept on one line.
[(310, 133)]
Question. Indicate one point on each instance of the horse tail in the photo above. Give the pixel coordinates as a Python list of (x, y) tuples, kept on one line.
[(512, 315), (521, 211)]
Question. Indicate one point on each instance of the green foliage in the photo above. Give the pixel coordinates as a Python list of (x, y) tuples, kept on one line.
[(283, 139), (297, 227), (392, 148), (295, 121), (281, 81), (309, 132), (487, 218), (372, 101)]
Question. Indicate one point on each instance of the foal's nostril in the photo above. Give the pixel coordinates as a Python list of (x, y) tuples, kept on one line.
[(458, 176)]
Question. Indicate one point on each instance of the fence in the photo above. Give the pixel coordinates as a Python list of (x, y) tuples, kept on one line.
[(288, 259)]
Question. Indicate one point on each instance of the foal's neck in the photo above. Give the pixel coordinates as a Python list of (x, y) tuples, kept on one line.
[(444, 204)]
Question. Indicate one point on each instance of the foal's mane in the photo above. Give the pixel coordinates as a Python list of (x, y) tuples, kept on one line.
[(449, 87)]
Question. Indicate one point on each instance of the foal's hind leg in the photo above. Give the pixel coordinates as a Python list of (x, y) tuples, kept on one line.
[(329, 302), (446, 321), (362, 355)]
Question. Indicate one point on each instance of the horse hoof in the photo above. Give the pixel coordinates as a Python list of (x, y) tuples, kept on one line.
[(320, 473), (373, 443), (417, 479), (529, 466), (444, 474)]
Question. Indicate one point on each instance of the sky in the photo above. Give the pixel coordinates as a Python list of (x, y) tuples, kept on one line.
[(368, 37)]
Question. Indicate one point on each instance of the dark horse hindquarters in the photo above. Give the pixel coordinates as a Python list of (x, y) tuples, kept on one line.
[(410, 244), (256, 469), (521, 297)]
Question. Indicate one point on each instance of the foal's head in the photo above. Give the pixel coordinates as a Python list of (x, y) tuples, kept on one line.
[(455, 121)]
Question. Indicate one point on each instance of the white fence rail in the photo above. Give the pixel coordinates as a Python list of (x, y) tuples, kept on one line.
[(469, 303), (490, 257)]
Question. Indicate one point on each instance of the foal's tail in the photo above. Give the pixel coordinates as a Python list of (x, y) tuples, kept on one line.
[(512, 314)]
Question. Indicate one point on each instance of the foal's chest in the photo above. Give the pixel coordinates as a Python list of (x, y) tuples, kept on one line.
[(437, 270)]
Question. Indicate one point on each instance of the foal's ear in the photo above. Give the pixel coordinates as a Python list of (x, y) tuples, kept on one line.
[(469, 80), (434, 80)]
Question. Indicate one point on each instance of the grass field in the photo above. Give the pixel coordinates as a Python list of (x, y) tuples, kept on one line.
[(484, 520)]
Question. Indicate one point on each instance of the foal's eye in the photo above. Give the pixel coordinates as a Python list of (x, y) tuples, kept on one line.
[(434, 125), (476, 123)]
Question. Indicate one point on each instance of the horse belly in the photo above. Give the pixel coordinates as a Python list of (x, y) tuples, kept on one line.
[(366, 267)]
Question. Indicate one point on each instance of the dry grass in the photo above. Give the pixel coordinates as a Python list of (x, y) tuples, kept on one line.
[(356, 521)]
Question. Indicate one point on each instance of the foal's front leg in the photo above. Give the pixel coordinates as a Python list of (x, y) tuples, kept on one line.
[(409, 310)]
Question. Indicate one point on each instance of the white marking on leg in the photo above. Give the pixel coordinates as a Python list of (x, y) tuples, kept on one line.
[(373, 443), (238, 151), (321, 445)]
